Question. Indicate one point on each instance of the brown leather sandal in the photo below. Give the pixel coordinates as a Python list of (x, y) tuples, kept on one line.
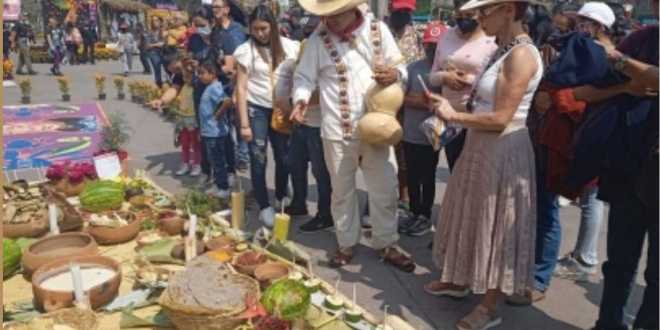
[(396, 258), (341, 258)]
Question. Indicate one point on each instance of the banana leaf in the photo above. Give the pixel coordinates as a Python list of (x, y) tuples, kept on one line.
[(130, 320), (160, 252)]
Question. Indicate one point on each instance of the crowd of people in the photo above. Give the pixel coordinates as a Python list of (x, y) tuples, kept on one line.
[(536, 104), (67, 43)]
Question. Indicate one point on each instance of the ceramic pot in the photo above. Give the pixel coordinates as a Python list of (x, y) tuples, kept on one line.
[(121, 96), (271, 271), (102, 96), (171, 223), (248, 261), (110, 236), (74, 189), (35, 228), (58, 247), (99, 295), (179, 250), (66, 97), (25, 100)]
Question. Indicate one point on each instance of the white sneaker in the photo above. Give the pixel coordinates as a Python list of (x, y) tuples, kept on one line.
[(571, 269), (267, 217), (196, 171), (231, 178), (183, 170)]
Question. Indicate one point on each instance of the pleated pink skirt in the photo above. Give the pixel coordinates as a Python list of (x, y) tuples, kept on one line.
[(485, 237)]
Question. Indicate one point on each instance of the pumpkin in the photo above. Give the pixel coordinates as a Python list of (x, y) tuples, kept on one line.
[(11, 253), (385, 99), (286, 299), (380, 129), (102, 196)]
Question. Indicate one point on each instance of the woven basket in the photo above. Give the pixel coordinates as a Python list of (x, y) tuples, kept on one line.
[(195, 318), (72, 317)]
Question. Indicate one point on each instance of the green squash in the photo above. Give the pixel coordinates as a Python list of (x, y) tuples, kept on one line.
[(287, 299), (11, 260)]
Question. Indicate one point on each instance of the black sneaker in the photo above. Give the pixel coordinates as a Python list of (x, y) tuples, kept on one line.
[(317, 224), (295, 211), (407, 223), (420, 227)]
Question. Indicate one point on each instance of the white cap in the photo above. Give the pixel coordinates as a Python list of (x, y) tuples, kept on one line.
[(598, 12)]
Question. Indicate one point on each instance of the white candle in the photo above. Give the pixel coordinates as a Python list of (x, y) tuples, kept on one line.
[(76, 277), (190, 246), (193, 226), (52, 219)]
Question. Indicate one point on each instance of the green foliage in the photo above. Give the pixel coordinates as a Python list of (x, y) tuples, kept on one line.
[(116, 134)]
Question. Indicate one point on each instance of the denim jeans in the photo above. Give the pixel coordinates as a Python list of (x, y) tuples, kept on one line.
[(548, 232), (629, 224), (591, 218), (215, 151), (240, 147), (156, 64), (261, 134), (144, 59), (306, 146)]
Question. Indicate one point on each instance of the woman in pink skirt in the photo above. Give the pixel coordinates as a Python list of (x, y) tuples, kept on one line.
[(485, 238)]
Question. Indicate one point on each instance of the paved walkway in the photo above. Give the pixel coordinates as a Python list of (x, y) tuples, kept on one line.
[(568, 305)]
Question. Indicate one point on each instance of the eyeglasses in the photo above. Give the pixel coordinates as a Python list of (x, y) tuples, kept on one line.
[(487, 11)]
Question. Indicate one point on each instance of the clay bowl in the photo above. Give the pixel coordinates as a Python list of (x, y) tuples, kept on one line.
[(110, 236), (35, 228), (220, 242), (59, 247), (271, 271), (179, 250), (171, 223), (99, 295), (248, 261)]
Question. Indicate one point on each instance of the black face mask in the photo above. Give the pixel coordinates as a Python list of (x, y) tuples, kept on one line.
[(400, 19), (466, 25)]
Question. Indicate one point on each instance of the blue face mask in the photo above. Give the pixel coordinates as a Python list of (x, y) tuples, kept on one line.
[(467, 25)]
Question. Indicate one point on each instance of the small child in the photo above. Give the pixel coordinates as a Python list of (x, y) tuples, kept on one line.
[(214, 126), (416, 147), (186, 131), (127, 45)]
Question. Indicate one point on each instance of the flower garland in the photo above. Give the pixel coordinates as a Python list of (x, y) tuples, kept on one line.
[(342, 72)]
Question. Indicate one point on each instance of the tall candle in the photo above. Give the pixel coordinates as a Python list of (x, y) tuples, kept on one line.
[(190, 246), (77, 279), (281, 229), (237, 209), (52, 219)]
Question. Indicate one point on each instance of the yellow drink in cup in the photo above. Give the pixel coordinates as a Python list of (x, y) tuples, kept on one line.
[(281, 228)]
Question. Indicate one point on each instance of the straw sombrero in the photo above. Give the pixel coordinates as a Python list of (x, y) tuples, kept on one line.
[(474, 4), (329, 7)]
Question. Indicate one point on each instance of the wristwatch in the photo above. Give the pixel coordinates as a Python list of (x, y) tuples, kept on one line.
[(621, 62)]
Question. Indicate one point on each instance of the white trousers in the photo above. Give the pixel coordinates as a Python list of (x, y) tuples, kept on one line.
[(378, 166)]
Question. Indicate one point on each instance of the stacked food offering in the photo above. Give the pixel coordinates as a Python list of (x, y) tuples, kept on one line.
[(124, 253)]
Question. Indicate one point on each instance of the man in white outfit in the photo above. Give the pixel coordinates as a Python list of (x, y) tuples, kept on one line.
[(348, 53)]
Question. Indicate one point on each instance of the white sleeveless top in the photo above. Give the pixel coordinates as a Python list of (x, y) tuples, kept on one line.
[(484, 99)]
